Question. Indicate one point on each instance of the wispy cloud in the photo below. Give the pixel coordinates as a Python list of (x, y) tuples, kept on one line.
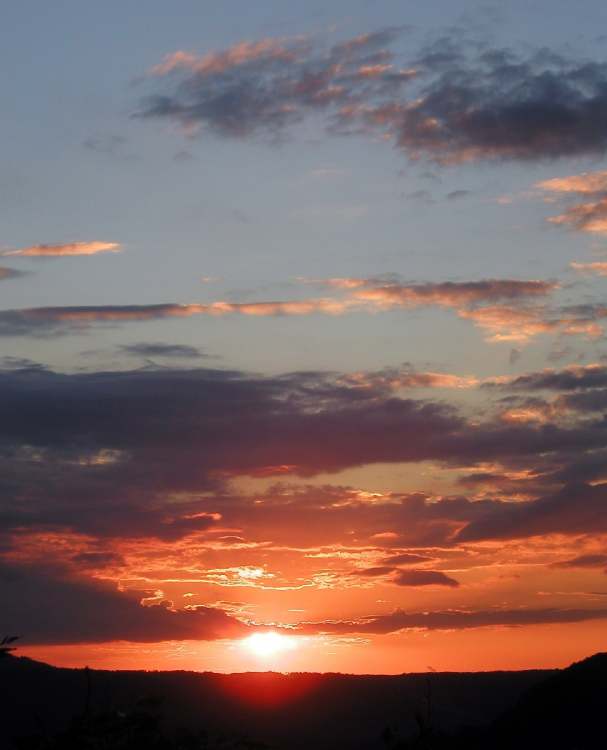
[(65, 249), (598, 267), (473, 300), (10, 273), (453, 620), (159, 349), (589, 216)]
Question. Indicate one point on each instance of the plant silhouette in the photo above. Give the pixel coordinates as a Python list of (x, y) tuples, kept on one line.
[(5, 645)]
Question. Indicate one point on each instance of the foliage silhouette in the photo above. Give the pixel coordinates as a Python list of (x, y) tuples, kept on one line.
[(5, 645)]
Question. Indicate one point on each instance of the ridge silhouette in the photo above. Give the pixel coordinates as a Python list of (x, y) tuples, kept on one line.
[(44, 707)]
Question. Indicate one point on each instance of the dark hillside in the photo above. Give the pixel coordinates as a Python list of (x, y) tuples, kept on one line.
[(285, 711)]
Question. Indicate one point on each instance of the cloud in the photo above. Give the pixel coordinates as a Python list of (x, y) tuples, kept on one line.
[(376, 572), (575, 509), (500, 105), (127, 476), (52, 321), (394, 379), (110, 145), (406, 558), (150, 454), (259, 88), (409, 577), (598, 267), (65, 249), (450, 105), (370, 295), (522, 323), (452, 620), (47, 608), (158, 349), (589, 216), (444, 294), (10, 273), (574, 377), (586, 183), (455, 195), (424, 578), (583, 561), (20, 363), (514, 356)]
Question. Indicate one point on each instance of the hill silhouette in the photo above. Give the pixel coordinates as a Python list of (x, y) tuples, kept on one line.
[(567, 710), (554, 709)]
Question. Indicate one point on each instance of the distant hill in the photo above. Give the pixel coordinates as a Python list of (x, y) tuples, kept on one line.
[(321, 711), (566, 711)]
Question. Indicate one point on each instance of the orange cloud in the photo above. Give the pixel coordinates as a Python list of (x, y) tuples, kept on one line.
[(397, 379), (586, 183), (598, 267), (521, 324), (66, 249), (506, 323), (524, 415), (219, 62), (445, 294), (589, 216)]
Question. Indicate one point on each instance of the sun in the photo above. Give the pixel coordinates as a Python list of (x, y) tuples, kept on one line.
[(269, 644)]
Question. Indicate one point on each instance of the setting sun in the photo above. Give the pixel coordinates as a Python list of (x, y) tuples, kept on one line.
[(269, 644)]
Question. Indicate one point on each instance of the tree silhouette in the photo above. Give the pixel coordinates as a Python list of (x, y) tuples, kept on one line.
[(5, 645)]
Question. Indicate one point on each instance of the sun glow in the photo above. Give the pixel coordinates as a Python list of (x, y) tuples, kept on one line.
[(269, 644)]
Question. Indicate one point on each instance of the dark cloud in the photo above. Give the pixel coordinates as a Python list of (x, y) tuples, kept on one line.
[(109, 453), (462, 102), (455, 195), (503, 106), (590, 402), (45, 608), (376, 572), (452, 620), (424, 578), (575, 509), (583, 561), (157, 349), (577, 377), (514, 356), (406, 558)]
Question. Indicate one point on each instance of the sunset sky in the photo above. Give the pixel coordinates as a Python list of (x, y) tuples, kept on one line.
[(302, 331)]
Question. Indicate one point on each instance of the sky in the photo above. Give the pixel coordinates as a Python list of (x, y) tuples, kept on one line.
[(302, 334)]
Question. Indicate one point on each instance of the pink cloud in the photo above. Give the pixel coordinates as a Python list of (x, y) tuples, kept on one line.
[(66, 249)]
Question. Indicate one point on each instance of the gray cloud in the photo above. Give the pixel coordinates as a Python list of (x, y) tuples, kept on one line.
[(459, 104), (452, 620), (575, 509), (103, 453), (424, 578), (46, 608)]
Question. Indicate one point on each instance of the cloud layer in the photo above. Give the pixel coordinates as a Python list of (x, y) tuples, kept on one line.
[(128, 476)]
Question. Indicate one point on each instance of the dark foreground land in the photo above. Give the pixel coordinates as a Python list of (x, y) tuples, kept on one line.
[(42, 707)]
